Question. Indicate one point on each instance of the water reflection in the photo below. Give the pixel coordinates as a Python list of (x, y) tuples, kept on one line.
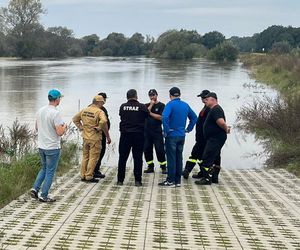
[(24, 86)]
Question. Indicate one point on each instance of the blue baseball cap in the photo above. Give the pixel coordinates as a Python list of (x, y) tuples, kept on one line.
[(55, 94)]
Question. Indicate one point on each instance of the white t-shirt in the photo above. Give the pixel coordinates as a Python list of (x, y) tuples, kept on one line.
[(48, 118)]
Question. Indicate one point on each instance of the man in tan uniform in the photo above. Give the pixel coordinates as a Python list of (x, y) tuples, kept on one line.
[(91, 121)]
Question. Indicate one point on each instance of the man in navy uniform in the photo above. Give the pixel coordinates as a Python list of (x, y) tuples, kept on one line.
[(133, 115), (153, 133)]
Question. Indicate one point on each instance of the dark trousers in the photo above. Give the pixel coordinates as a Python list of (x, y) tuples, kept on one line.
[(156, 139), (128, 141), (212, 152), (196, 155), (102, 153)]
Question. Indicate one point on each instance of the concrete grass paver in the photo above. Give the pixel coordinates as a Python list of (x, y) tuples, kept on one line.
[(248, 209)]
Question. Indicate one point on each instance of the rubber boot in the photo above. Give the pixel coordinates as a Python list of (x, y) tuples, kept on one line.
[(215, 174), (189, 165), (206, 179), (150, 169)]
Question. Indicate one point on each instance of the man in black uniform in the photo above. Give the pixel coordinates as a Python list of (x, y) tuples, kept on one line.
[(97, 172), (133, 115), (153, 133), (215, 132), (199, 146)]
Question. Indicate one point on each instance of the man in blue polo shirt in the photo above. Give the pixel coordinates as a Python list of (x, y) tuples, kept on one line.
[(174, 119)]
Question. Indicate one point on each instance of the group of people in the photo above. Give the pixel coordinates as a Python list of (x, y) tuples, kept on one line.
[(142, 128)]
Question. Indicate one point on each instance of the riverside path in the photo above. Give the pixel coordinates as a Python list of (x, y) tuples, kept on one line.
[(248, 209)]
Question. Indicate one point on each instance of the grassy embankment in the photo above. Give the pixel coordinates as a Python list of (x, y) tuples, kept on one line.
[(276, 121), (19, 167)]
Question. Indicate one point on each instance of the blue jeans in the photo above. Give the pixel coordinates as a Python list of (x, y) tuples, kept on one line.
[(174, 148), (49, 159)]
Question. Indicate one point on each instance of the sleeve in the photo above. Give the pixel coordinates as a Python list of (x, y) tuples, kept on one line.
[(161, 108), (193, 119), (77, 120), (217, 113), (166, 119), (58, 120)]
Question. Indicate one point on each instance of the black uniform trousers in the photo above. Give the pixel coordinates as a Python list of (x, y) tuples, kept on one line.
[(197, 154), (128, 141), (102, 153), (154, 138), (212, 152)]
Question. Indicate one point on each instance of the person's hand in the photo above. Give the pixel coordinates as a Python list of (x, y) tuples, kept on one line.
[(228, 129)]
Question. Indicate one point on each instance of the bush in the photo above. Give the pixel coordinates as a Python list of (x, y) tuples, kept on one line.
[(281, 48), (276, 122), (224, 52)]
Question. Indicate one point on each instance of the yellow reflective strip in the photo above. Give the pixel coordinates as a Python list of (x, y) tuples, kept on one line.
[(192, 160), (150, 162), (163, 163), (206, 169)]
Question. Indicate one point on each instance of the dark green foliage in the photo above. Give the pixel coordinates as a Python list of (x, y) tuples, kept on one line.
[(244, 44), (212, 39), (175, 44), (224, 52)]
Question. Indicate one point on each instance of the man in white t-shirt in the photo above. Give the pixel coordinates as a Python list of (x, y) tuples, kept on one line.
[(50, 128)]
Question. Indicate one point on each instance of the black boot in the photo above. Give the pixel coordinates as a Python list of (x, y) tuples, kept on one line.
[(185, 174), (163, 169), (215, 174), (206, 179), (199, 175), (150, 169)]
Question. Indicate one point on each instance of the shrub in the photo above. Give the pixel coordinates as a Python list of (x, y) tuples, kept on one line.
[(223, 52)]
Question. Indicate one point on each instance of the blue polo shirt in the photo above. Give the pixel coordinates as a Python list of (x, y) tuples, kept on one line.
[(174, 118)]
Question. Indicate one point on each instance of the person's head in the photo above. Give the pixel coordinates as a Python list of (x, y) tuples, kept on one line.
[(54, 97), (152, 93), (103, 95), (131, 94), (203, 94), (211, 99), (174, 92), (98, 100)]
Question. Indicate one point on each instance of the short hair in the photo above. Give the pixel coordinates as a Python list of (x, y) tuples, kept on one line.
[(51, 99), (131, 94)]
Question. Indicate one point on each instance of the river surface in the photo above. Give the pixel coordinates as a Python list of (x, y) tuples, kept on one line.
[(24, 86)]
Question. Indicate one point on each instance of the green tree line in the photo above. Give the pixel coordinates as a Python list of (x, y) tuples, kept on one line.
[(22, 35), (276, 38)]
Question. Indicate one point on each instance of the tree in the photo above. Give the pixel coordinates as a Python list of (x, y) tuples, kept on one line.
[(135, 45), (58, 41), (90, 43), (21, 21), (224, 52), (212, 39), (174, 44), (113, 45)]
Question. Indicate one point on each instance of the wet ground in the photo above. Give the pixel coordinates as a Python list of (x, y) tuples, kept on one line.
[(248, 209)]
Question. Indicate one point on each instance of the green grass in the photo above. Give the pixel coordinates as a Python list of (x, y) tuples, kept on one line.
[(18, 176)]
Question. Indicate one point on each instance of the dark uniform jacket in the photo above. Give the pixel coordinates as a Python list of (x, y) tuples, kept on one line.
[(152, 124), (200, 123), (133, 115)]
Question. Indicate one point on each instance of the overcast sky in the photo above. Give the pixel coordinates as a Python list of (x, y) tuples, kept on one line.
[(153, 17)]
